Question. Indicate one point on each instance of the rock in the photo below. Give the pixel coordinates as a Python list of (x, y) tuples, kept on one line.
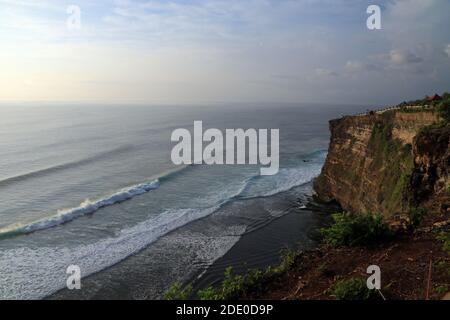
[(385, 163)]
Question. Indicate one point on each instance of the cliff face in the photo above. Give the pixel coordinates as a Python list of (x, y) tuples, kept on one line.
[(380, 163), (430, 179)]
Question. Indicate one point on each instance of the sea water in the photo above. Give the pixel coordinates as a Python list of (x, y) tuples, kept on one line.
[(94, 186)]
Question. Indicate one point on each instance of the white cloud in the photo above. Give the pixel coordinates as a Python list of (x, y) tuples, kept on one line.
[(403, 57), (447, 50), (409, 9), (208, 49), (357, 66), (321, 72)]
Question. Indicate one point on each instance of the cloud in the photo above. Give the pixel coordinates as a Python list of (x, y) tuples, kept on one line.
[(325, 72), (209, 49), (198, 20), (409, 9), (403, 57), (357, 66)]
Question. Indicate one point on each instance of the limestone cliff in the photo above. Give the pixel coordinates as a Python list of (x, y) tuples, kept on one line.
[(385, 161), (430, 179)]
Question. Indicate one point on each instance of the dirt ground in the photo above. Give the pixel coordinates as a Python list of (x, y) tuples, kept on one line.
[(413, 266)]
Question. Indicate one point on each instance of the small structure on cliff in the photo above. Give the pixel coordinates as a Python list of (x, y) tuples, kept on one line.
[(436, 97)]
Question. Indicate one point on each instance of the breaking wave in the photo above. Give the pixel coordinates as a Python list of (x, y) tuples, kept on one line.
[(253, 187), (86, 207)]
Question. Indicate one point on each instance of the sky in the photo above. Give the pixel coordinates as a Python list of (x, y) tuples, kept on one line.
[(207, 51)]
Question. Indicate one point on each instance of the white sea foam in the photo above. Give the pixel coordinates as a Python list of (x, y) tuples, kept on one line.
[(28, 273), (32, 273), (86, 207), (286, 179), (290, 178), (37, 273), (256, 186)]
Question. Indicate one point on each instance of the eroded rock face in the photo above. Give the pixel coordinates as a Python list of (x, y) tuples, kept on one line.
[(407, 124), (431, 150), (372, 159)]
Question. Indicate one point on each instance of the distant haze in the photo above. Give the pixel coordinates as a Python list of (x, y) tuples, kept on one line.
[(202, 51)]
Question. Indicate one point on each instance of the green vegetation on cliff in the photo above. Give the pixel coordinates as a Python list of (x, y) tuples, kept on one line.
[(443, 108), (393, 161), (353, 289), (350, 229), (425, 102), (178, 292), (234, 285), (444, 237)]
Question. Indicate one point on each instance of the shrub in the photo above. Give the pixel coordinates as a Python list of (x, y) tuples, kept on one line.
[(441, 289), (234, 286), (177, 292), (416, 216), (350, 230), (287, 260), (208, 293), (444, 237), (443, 109), (444, 267), (353, 289)]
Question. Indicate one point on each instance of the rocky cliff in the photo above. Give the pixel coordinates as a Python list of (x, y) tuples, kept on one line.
[(385, 162)]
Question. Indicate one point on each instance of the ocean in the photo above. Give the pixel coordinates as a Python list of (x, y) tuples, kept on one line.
[(94, 186)]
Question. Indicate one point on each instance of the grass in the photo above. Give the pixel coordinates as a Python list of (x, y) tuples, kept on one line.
[(353, 289), (392, 160), (381, 140), (400, 182), (350, 230), (234, 285), (178, 292)]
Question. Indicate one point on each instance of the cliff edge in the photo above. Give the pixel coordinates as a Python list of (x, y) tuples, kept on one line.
[(387, 162)]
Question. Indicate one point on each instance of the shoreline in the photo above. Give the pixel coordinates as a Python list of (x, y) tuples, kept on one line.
[(261, 247), (277, 223), (246, 255), (414, 264), (295, 230)]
